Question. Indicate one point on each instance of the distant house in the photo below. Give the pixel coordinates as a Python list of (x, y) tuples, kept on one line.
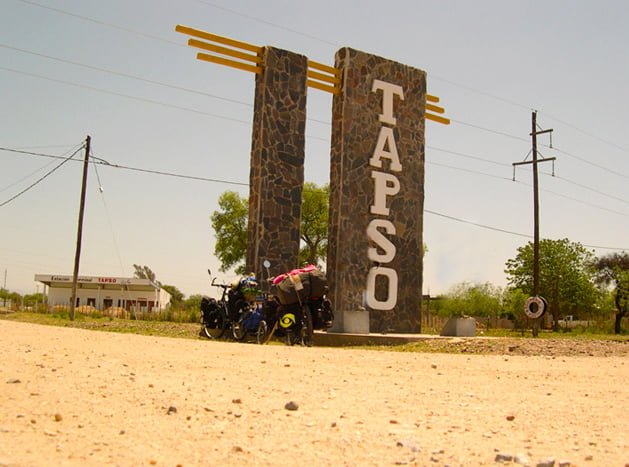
[(104, 292)]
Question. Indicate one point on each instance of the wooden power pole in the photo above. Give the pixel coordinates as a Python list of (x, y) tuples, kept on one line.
[(534, 162), (79, 234)]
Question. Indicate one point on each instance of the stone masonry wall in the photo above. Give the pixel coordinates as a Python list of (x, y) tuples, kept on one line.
[(277, 162), (395, 218)]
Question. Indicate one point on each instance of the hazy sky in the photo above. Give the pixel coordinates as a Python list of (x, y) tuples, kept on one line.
[(71, 68)]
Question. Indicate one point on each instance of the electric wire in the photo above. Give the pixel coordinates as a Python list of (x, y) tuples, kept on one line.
[(103, 23), (108, 215), (325, 41), (100, 161), (41, 179), (29, 175), (140, 99), (510, 232)]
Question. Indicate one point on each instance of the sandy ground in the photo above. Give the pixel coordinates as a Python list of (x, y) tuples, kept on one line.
[(76, 397)]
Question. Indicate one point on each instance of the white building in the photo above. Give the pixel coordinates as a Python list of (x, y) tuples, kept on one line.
[(105, 292)]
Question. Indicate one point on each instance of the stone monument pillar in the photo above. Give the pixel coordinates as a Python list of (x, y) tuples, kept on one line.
[(277, 161), (376, 194)]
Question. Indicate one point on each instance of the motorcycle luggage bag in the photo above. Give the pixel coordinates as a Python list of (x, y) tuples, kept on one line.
[(301, 287)]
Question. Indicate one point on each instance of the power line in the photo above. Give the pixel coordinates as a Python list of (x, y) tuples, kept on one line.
[(484, 174), (126, 75), (510, 232), (268, 23), (33, 172), (319, 39), (42, 178), (103, 23), (140, 99), (99, 161)]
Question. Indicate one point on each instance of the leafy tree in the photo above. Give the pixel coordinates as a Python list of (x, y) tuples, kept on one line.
[(565, 275), (230, 227), (193, 302), (513, 304), (176, 295), (472, 299), (314, 223), (613, 269), (144, 272)]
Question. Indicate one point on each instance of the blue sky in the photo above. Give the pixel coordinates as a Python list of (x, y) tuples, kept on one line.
[(66, 69)]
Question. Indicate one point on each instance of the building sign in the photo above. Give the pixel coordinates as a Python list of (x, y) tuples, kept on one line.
[(377, 191), (386, 184)]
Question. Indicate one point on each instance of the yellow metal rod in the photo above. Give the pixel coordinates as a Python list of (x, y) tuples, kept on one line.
[(215, 38), (323, 87), (323, 77), (228, 62), (224, 51), (438, 119), (435, 108), (430, 98), (321, 67)]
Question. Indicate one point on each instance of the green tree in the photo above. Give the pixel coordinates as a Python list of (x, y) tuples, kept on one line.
[(613, 270), (314, 223), (513, 304), (144, 272), (481, 300), (566, 279), (230, 227), (176, 295), (193, 302)]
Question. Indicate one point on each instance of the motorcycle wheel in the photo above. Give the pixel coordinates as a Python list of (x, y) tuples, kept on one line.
[(214, 327), (239, 332), (264, 334)]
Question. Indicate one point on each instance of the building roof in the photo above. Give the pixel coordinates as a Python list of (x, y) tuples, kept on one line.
[(95, 282)]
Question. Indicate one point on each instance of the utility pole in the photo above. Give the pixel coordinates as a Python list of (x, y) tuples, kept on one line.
[(535, 299), (5, 287), (79, 234)]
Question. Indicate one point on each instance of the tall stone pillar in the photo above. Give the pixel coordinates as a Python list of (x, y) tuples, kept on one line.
[(277, 161), (377, 193)]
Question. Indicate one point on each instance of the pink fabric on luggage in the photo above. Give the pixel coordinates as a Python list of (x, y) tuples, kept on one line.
[(294, 272)]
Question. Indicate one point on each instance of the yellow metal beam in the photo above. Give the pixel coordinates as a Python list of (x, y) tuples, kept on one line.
[(323, 87), (435, 108), (228, 62), (325, 73), (437, 118), (321, 67), (224, 51), (215, 38), (323, 77)]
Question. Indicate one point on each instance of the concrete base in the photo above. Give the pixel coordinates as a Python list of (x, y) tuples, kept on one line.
[(462, 327), (354, 322)]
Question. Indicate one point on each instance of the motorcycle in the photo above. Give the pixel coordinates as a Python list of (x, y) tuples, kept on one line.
[(297, 306)]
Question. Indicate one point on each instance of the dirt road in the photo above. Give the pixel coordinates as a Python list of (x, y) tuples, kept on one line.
[(76, 397)]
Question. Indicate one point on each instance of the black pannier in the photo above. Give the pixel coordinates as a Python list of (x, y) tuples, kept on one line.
[(304, 286)]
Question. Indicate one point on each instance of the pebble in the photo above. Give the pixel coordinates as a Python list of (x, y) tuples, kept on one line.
[(409, 444), (503, 457), (550, 462), (237, 401), (171, 409), (13, 381), (291, 406), (510, 417), (58, 417), (522, 459)]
